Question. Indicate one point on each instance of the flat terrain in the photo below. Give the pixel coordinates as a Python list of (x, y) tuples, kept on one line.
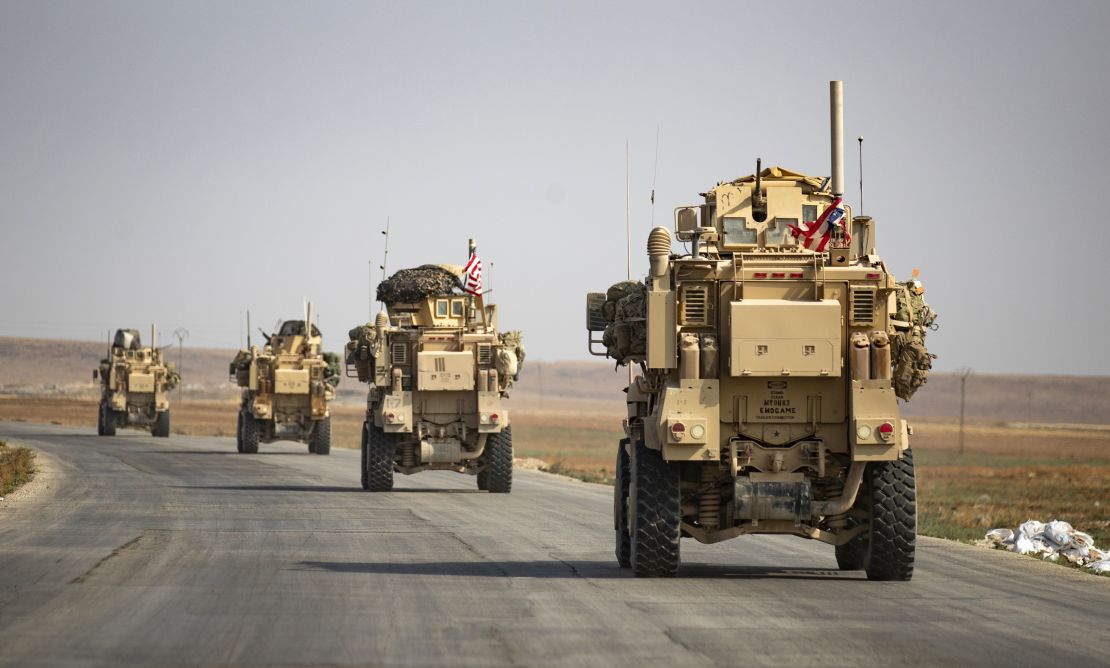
[(181, 552)]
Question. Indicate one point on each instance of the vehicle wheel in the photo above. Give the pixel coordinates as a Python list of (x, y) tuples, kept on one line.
[(620, 507), (161, 426), (239, 432), (499, 462), (100, 419), (893, 534), (850, 556), (252, 434), (656, 514), (365, 476), (110, 421), (320, 440), (379, 459)]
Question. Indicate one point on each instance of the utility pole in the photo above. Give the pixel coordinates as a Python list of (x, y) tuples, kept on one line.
[(181, 333), (963, 373)]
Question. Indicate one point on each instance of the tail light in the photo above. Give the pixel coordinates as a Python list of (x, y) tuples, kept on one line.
[(886, 431)]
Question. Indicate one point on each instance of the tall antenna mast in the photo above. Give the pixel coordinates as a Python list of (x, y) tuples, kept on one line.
[(385, 258), (655, 177), (861, 175), (627, 220)]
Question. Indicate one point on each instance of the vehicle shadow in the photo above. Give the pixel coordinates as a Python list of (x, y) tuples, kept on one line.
[(225, 453), (320, 488), (556, 569)]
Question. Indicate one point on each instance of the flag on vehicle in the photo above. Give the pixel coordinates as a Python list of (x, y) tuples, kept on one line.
[(473, 270), (817, 234)]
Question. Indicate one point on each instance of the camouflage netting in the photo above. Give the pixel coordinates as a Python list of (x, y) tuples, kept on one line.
[(412, 285), (331, 372), (360, 349), (625, 309), (172, 377), (912, 360), (510, 358)]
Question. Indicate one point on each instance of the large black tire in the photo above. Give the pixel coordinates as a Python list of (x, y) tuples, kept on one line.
[(239, 432), (100, 419), (362, 466), (378, 463), (161, 427), (499, 463), (110, 420), (892, 493), (656, 514), (320, 440), (851, 555), (252, 434), (620, 506)]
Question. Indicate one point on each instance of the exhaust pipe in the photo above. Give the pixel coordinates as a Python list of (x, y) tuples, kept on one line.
[(836, 108)]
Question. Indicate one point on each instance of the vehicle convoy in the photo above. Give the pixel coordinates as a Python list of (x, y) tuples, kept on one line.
[(771, 358), (287, 389), (135, 383), (438, 371)]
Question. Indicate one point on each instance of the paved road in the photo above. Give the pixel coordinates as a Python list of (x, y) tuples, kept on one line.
[(181, 552)]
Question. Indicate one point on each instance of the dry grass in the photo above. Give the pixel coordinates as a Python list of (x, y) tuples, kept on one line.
[(17, 467), (1006, 475)]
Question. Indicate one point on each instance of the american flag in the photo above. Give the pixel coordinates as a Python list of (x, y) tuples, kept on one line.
[(473, 271), (826, 224)]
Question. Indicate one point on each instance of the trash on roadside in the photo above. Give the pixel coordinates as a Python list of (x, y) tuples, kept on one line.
[(1052, 541)]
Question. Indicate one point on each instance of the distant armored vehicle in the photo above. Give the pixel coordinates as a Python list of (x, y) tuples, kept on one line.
[(287, 389), (438, 370), (135, 384), (771, 356)]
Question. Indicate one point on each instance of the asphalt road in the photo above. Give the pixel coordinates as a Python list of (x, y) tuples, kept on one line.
[(147, 551)]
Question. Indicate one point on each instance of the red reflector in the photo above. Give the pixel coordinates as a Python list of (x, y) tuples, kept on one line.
[(797, 275), (493, 417), (886, 428), (759, 274), (874, 276), (778, 275), (389, 416), (678, 427)]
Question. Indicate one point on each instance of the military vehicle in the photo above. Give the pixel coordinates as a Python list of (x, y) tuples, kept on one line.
[(135, 383), (438, 371), (771, 357), (287, 389)]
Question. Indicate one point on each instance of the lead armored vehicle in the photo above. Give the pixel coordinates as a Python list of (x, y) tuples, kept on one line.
[(438, 372), (135, 383), (771, 357), (287, 389)]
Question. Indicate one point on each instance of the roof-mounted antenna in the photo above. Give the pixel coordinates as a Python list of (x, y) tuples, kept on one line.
[(655, 177), (385, 258), (627, 221), (860, 139)]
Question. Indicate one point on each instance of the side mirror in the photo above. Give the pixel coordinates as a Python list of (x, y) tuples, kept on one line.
[(686, 223), (595, 321)]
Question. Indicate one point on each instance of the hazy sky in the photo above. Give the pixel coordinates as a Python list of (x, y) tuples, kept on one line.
[(180, 162)]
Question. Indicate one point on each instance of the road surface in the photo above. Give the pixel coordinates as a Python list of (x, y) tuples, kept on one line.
[(180, 551)]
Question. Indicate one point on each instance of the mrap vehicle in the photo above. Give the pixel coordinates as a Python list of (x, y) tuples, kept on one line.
[(286, 389), (771, 358), (439, 372), (135, 385)]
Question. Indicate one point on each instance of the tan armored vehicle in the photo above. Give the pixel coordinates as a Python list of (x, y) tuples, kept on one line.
[(287, 388), (771, 357), (135, 384), (438, 370)]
